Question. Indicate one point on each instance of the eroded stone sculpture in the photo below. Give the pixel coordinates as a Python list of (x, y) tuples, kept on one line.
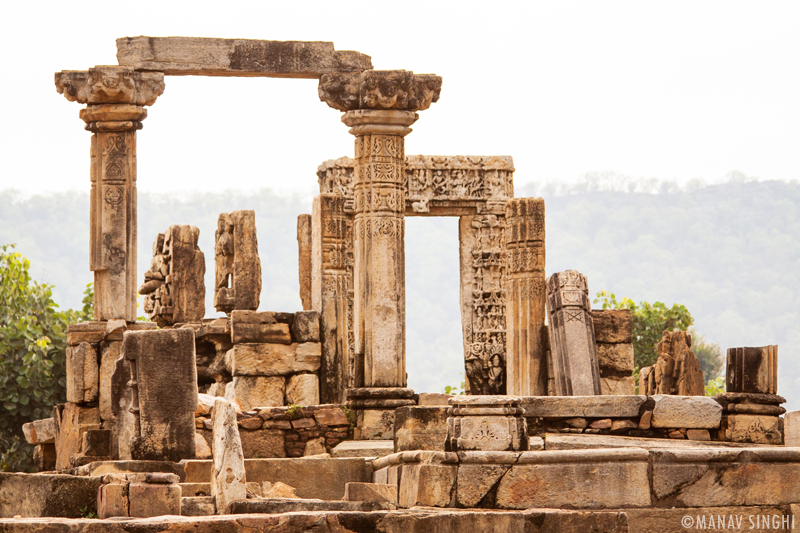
[(572, 340), (677, 369), (237, 265), (173, 287)]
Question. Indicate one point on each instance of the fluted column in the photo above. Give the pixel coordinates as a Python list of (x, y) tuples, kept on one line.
[(115, 98), (526, 357), (379, 107)]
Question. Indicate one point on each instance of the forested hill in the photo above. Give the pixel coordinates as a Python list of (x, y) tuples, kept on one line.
[(729, 252)]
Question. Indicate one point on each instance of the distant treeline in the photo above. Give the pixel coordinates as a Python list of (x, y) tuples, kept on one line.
[(729, 252)]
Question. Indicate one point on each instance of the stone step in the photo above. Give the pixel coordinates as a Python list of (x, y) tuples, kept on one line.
[(198, 506), (572, 441), (363, 448), (311, 478), (288, 505)]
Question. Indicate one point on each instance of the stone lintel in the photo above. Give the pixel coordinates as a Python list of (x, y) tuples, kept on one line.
[(110, 85), (200, 56)]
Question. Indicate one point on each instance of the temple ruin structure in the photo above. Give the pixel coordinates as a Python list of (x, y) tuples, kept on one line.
[(303, 420)]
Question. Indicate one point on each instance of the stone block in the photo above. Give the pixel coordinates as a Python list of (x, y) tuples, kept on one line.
[(273, 359), (83, 373), (237, 57), (363, 448), (695, 412), (91, 332), (40, 431), (475, 484), (791, 428), (315, 447), (96, 443), (228, 481), (582, 406), (698, 434), (581, 479), (333, 416), (721, 477), (618, 386), (752, 370), (258, 327), (312, 478), (305, 327), (263, 443), (613, 326), (154, 499), (258, 391), (615, 359), (370, 492), (112, 500), (109, 353), (72, 421), (166, 377), (420, 428), (374, 424), (198, 506), (431, 399), (429, 485), (53, 495), (754, 429), (303, 389), (44, 457)]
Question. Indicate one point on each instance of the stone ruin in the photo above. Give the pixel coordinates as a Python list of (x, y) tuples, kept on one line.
[(303, 421)]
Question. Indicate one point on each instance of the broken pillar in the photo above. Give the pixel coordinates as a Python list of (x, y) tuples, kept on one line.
[(379, 107), (482, 242), (304, 259), (752, 370), (116, 97), (173, 287), (228, 481), (572, 341), (526, 358), (162, 393), (238, 267), (613, 331)]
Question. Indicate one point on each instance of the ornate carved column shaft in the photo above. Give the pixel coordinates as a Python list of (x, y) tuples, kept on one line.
[(526, 357), (379, 107), (116, 96)]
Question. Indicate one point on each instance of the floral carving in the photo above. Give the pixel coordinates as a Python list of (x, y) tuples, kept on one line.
[(110, 85), (379, 89)]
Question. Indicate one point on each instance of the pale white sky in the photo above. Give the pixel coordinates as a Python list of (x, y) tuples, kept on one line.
[(671, 90)]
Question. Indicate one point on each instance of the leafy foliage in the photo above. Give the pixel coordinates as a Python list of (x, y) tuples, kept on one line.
[(33, 342), (649, 322), (715, 386), (456, 390)]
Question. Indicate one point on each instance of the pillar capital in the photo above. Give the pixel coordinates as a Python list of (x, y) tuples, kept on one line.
[(110, 85), (399, 90), (379, 122)]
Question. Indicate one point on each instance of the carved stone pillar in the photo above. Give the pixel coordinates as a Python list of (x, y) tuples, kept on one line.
[(526, 357), (379, 107), (115, 98)]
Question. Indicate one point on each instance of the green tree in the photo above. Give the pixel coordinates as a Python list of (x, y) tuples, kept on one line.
[(710, 356), (33, 335), (649, 322)]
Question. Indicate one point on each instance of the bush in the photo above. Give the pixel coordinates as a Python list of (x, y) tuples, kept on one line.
[(33, 343)]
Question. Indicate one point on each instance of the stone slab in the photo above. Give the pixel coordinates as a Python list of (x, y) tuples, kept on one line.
[(37, 495), (430, 399), (429, 485), (705, 478), (696, 412), (257, 391), (618, 386), (370, 492), (258, 326), (195, 56), (198, 506), (228, 476), (302, 389), (568, 441), (791, 428), (582, 406), (401, 521), (264, 443), (282, 505), (363, 448), (101, 468), (40, 431)]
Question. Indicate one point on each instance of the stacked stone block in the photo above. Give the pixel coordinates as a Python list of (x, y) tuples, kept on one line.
[(613, 331)]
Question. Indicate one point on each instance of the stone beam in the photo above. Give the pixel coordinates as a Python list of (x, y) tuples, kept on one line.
[(198, 56)]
